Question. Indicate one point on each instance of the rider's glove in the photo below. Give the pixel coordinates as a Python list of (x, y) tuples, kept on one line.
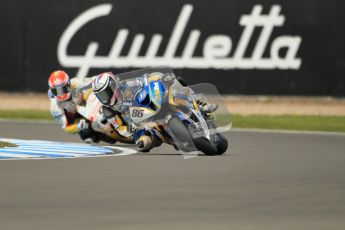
[(132, 127), (83, 125), (168, 79)]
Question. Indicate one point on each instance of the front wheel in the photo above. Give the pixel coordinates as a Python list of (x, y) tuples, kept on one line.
[(222, 144), (181, 135), (216, 147), (184, 141)]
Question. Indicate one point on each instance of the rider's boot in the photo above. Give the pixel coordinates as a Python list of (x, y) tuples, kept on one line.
[(144, 143), (86, 133), (207, 107), (147, 141)]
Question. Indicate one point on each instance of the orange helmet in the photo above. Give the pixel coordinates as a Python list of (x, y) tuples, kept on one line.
[(60, 86)]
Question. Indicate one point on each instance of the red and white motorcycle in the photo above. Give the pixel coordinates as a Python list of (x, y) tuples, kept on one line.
[(92, 112)]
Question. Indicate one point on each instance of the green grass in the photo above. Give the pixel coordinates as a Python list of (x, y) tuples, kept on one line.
[(291, 122), (26, 114), (285, 122), (7, 144)]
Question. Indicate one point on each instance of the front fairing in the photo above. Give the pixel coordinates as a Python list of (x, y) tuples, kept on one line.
[(184, 102)]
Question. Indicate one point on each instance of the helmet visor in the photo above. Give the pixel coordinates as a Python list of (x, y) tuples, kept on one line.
[(61, 92), (109, 95)]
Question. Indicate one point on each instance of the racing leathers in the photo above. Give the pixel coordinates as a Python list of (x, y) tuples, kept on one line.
[(118, 114), (66, 115)]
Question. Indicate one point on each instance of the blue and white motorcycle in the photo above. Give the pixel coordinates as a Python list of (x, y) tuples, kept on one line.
[(171, 112)]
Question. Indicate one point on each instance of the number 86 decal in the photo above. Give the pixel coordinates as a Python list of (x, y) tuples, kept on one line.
[(137, 113)]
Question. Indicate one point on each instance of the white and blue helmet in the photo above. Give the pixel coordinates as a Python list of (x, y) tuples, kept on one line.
[(106, 88)]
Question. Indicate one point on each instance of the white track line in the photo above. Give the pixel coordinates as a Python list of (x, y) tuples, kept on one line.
[(17, 156), (125, 151), (42, 153), (63, 150), (286, 131)]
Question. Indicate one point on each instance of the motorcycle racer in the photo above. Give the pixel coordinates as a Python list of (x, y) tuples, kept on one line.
[(111, 91), (108, 90), (65, 95)]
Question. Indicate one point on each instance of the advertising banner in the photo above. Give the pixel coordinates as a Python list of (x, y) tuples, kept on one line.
[(243, 47)]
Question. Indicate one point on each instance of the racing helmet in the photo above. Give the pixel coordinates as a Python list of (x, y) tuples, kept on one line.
[(106, 88), (60, 85)]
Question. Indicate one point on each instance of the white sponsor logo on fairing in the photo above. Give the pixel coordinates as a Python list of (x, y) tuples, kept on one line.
[(216, 48)]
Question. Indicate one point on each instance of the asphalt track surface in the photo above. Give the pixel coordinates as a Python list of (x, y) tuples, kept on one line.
[(266, 181)]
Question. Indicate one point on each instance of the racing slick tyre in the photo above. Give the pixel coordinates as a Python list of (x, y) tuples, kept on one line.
[(218, 147), (182, 137), (205, 146), (185, 142), (222, 144), (218, 140)]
